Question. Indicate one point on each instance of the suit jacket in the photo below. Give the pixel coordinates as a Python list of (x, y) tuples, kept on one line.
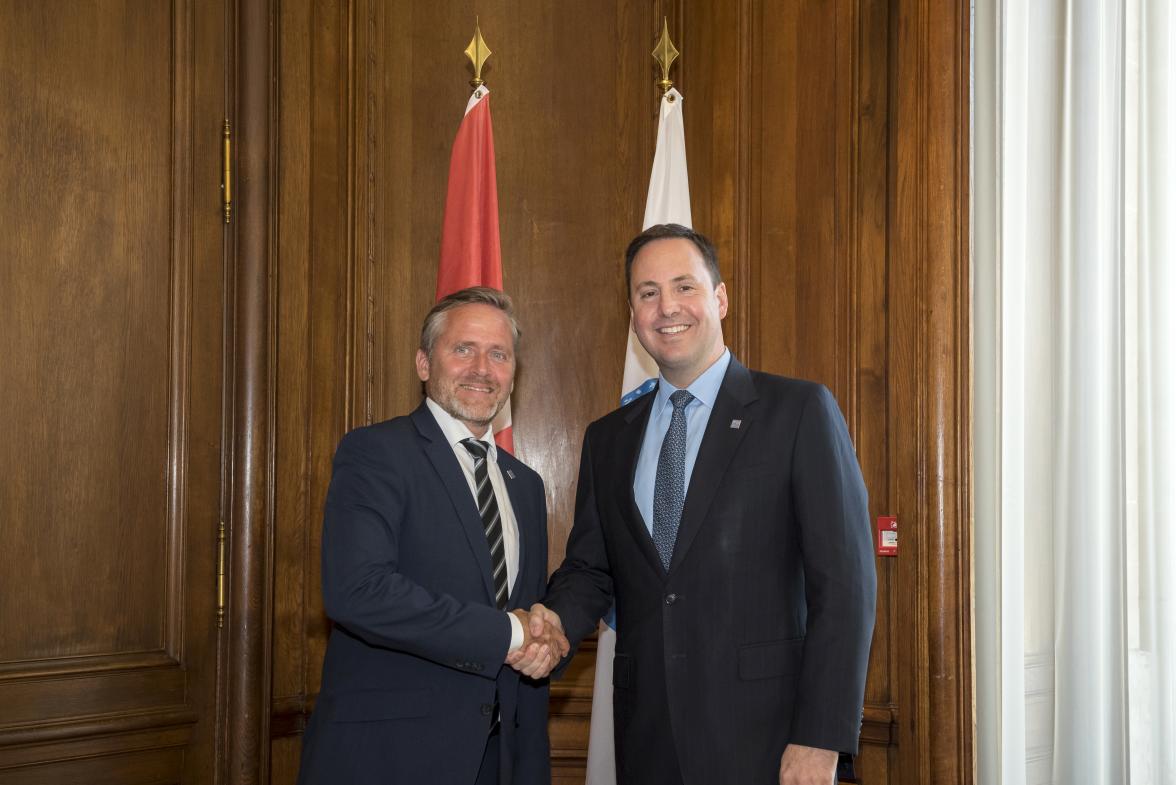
[(414, 663), (759, 634)]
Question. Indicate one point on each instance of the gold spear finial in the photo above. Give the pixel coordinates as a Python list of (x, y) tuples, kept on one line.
[(478, 53), (665, 53)]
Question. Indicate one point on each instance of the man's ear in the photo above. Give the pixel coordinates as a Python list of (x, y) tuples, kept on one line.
[(422, 365), (721, 295)]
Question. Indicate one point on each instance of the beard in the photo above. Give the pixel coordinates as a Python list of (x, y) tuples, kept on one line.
[(482, 411)]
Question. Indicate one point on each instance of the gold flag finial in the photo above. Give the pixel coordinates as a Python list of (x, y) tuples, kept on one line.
[(665, 53), (478, 53)]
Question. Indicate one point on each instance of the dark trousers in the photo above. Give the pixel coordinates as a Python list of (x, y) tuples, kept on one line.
[(488, 773)]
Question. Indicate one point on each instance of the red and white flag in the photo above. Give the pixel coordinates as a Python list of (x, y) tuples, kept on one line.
[(471, 253)]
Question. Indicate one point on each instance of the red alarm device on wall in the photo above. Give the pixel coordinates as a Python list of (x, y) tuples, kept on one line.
[(887, 542)]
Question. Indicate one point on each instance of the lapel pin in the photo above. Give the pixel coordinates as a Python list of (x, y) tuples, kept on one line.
[(510, 474), (736, 423)]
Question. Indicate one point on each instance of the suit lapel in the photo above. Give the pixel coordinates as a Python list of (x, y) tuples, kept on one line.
[(628, 448), (440, 454), (720, 441)]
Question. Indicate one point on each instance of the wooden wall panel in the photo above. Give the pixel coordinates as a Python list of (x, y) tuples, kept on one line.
[(88, 308), (113, 287), (930, 412), (314, 352)]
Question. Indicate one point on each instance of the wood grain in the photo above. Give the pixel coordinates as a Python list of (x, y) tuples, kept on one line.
[(113, 283), (931, 387)]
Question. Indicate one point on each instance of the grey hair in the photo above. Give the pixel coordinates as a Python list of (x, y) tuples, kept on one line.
[(434, 322)]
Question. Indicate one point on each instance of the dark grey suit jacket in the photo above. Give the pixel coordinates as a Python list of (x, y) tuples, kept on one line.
[(759, 634)]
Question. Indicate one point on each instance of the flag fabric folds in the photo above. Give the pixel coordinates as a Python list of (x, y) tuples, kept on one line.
[(668, 201), (471, 251)]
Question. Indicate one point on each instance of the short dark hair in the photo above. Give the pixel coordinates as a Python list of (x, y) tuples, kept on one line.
[(673, 232), (474, 295)]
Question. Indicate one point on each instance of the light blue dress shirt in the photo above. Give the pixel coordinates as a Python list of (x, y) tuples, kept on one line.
[(704, 389)]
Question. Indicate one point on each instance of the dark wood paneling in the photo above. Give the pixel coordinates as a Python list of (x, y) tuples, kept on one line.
[(157, 766), (113, 289), (931, 387), (319, 278), (85, 388)]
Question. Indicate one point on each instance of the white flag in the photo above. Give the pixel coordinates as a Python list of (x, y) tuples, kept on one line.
[(668, 202)]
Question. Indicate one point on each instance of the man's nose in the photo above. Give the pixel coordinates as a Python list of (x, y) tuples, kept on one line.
[(669, 305), (481, 363)]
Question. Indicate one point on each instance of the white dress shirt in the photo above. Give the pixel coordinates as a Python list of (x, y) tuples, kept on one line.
[(455, 431)]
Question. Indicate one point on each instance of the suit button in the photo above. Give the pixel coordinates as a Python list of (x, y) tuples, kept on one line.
[(671, 599), (487, 708)]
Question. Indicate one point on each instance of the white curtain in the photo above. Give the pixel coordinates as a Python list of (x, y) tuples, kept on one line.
[(1075, 371)]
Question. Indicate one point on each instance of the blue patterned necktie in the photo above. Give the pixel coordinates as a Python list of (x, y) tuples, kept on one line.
[(669, 487)]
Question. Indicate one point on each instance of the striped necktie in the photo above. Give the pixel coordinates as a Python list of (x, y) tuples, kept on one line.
[(491, 520)]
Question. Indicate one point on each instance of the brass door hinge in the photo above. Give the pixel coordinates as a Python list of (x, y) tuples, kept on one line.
[(220, 576), (227, 172)]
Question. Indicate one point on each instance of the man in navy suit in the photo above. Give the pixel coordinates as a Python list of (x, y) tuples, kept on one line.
[(726, 515), (430, 533)]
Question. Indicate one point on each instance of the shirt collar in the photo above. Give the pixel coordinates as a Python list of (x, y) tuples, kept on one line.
[(456, 430), (705, 388)]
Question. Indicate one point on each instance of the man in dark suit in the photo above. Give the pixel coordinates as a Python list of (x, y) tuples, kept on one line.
[(430, 533), (726, 515)]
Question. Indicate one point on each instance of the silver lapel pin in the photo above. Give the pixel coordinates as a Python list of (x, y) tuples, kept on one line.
[(736, 423), (510, 474)]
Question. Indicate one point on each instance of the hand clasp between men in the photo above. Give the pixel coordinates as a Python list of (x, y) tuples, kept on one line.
[(544, 642)]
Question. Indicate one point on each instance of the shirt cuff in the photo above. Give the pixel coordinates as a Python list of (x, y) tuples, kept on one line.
[(516, 633)]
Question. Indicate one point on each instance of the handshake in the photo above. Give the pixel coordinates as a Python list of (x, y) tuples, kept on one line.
[(544, 642)]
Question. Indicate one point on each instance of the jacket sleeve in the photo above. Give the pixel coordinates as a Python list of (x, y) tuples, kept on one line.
[(581, 590), (533, 751), (363, 589), (832, 511)]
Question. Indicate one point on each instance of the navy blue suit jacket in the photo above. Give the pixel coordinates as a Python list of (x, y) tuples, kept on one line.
[(414, 664), (758, 635)]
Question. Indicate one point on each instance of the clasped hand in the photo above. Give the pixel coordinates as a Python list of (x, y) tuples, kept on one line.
[(544, 642)]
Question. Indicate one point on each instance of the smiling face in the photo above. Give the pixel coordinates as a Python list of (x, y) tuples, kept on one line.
[(677, 309), (470, 370)]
